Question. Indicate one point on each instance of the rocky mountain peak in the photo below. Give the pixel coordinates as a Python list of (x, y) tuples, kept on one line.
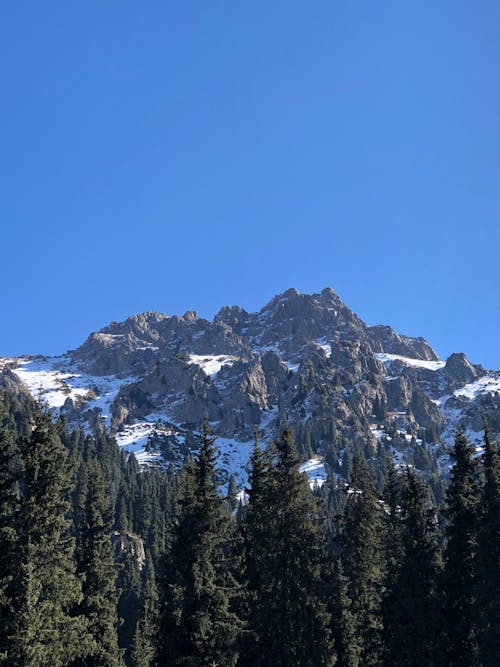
[(385, 339), (306, 357), (234, 316), (190, 316), (461, 369)]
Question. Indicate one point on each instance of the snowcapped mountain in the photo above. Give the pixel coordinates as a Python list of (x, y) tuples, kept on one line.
[(151, 380)]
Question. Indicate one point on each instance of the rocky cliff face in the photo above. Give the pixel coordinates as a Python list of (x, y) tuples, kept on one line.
[(152, 379)]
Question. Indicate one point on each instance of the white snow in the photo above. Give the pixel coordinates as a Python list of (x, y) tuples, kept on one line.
[(265, 421), (53, 380), (485, 385), (211, 364), (409, 361), (48, 384), (326, 347), (234, 457), (242, 497), (315, 470), (378, 431), (108, 387), (134, 437), (292, 367)]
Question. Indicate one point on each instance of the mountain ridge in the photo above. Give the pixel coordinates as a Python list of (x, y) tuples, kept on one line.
[(341, 383)]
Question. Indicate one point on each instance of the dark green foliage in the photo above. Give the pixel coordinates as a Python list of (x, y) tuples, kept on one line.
[(260, 583), (347, 645), (411, 619), (288, 619), (488, 575), (97, 568), (48, 631), (146, 634), (362, 560), (232, 491), (129, 600), (198, 625), (460, 557), (380, 408), (392, 542), (9, 531)]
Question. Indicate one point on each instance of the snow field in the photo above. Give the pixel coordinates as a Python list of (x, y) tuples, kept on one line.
[(485, 385), (211, 364), (53, 380), (409, 361), (315, 470)]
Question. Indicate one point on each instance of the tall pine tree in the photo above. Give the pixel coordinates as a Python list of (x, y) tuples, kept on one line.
[(347, 645), (146, 635), (488, 579), (9, 538), (97, 568), (198, 625), (460, 557), (288, 613), (48, 630), (362, 561), (412, 621)]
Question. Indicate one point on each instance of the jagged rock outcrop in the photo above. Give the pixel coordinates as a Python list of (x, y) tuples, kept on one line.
[(128, 543), (459, 371), (307, 358)]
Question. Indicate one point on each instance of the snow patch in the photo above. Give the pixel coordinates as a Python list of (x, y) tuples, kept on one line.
[(485, 385), (211, 364), (48, 384), (53, 380), (326, 347), (292, 367), (315, 469), (133, 438), (409, 361), (234, 457)]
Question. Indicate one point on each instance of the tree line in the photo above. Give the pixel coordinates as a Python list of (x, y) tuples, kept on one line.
[(102, 564)]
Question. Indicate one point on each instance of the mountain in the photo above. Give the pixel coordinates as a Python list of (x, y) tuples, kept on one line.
[(341, 384)]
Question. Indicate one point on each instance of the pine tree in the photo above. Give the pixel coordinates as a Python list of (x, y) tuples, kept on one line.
[(198, 625), (361, 557), (488, 589), (460, 557), (392, 545), (288, 614), (98, 570), (232, 493), (347, 646), (9, 538), (145, 640), (47, 630), (129, 600), (412, 624), (257, 532)]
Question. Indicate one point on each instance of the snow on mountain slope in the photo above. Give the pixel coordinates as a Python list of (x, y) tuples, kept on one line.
[(307, 358), (233, 455), (134, 438), (211, 364), (326, 347), (47, 382), (315, 470), (408, 361), (486, 385), (54, 380)]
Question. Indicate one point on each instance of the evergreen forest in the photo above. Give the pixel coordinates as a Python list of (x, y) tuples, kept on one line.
[(104, 564)]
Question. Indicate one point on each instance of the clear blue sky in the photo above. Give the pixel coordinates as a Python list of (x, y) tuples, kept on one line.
[(186, 155)]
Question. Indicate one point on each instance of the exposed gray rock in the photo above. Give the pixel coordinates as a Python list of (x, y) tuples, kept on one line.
[(307, 358), (459, 371)]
